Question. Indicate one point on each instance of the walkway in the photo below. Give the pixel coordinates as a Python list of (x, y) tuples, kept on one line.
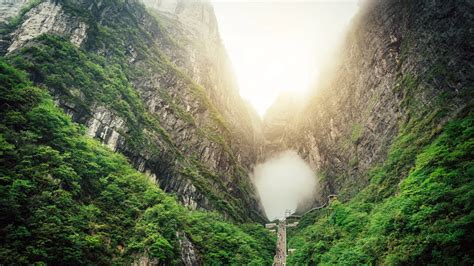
[(280, 257), (280, 254)]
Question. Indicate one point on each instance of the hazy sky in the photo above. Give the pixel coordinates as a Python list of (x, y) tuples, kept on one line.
[(279, 45)]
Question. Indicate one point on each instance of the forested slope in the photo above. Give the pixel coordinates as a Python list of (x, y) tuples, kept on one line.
[(148, 86), (66, 198)]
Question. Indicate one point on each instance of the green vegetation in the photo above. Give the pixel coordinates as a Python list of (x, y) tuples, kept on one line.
[(84, 80), (65, 198), (225, 245), (356, 133), (429, 219), (118, 53), (418, 207)]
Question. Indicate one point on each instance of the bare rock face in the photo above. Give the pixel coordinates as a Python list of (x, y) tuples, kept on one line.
[(278, 123), (106, 126), (196, 15), (48, 17), (145, 261), (399, 59), (203, 57), (209, 66), (189, 255), (10, 9)]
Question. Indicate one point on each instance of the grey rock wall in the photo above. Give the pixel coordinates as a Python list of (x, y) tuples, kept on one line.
[(355, 113), (10, 9), (47, 17)]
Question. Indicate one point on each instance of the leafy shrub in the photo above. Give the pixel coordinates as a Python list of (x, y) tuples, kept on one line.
[(65, 198), (429, 220)]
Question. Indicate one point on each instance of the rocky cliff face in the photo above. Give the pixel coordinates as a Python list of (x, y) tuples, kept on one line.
[(188, 252), (278, 124), (153, 84), (404, 66), (10, 8), (47, 17), (209, 66)]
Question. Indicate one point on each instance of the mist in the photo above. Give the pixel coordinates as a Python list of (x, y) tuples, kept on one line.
[(283, 182)]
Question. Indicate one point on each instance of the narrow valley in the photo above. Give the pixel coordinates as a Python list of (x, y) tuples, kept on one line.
[(128, 135)]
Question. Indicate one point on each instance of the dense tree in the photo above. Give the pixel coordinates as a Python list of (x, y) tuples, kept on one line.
[(430, 219), (65, 198)]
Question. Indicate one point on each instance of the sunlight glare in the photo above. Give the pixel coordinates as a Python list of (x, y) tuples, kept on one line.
[(279, 46)]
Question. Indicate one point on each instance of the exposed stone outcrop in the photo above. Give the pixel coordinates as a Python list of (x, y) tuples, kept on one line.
[(208, 64), (278, 124), (106, 126), (144, 261), (47, 17), (10, 9), (189, 255)]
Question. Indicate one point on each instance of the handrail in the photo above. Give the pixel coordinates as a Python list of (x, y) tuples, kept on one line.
[(331, 196)]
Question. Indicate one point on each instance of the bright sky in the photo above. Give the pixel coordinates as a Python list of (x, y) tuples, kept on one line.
[(280, 45)]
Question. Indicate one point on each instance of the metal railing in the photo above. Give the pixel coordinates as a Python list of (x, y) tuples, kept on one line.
[(330, 197)]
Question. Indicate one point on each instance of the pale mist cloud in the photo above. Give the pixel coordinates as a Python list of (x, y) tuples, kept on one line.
[(283, 182)]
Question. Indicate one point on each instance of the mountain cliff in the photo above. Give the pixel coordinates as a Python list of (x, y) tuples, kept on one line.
[(65, 198), (389, 131), (403, 69), (124, 139), (107, 105), (150, 81)]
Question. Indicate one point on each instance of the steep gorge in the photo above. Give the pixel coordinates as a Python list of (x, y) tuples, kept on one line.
[(388, 129)]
